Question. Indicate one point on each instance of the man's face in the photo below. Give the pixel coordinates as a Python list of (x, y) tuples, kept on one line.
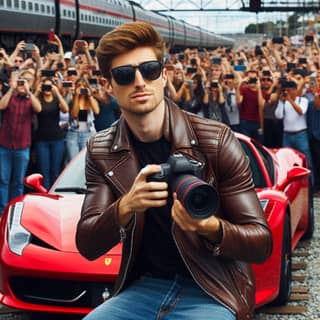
[(141, 96)]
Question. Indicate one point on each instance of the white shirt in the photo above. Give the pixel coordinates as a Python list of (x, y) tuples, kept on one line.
[(292, 120)]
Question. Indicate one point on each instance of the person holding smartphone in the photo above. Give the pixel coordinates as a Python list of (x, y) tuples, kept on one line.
[(83, 107), (49, 136), (15, 136)]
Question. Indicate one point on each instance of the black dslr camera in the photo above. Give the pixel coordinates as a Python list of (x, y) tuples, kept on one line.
[(199, 198)]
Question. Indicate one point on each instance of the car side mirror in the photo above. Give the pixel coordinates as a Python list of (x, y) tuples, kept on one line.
[(35, 182), (294, 174)]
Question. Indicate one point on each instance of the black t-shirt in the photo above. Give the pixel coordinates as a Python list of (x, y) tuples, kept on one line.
[(158, 254)]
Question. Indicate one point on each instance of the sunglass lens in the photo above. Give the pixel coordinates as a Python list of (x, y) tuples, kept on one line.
[(150, 70), (123, 75)]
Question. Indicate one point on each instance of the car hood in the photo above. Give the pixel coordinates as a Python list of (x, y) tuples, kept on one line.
[(53, 219)]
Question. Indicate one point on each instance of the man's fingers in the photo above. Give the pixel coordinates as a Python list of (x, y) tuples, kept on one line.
[(148, 170)]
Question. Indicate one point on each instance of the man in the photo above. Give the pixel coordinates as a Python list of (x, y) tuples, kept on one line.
[(172, 264), (292, 109), (19, 106), (251, 102)]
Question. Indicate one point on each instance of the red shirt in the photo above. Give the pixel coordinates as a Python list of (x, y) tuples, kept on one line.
[(15, 130), (249, 109)]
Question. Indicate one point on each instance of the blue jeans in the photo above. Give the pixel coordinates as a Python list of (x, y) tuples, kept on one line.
[(75, 141), (49, 158), (299, 141), (154, 299), (13, 167), (250, 129)]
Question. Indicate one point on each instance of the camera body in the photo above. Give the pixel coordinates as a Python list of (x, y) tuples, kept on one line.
[(182, 174)]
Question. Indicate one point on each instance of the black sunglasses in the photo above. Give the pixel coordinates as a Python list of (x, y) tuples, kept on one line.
[(124, 75)]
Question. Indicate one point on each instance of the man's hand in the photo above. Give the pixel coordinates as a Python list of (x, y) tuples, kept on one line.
[(209, 227), (143, 195)]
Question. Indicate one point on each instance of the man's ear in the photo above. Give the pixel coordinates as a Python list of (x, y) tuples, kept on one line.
[(164, 76)]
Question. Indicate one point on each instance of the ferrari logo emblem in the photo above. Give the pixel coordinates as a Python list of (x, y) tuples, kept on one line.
[(107, 261)]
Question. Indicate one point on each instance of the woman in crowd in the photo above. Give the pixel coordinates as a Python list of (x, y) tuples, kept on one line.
[(83, 108), (49, 137)]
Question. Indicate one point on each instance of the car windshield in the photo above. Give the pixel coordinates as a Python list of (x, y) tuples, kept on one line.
[(72, 179)]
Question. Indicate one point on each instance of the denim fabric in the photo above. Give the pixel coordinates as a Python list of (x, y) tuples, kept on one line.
[(250, 129), (49, 159), (299, 141), (75, 141), (13, 167), (154, 299)]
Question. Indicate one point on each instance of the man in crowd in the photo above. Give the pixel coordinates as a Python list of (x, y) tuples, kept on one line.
[(19, 106)]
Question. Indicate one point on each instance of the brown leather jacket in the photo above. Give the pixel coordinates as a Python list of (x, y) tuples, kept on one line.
[(221, 271)]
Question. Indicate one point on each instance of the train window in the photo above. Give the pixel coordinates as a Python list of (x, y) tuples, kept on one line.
[(23, 5), (42, 8), (53, 10), (64, 12), (73, 14), (86, 17), (69, 13), (9, 3), (16, 4), (48, 9), (81, 17), (30, 6), (93, 18), (36, 7), (1, 3)]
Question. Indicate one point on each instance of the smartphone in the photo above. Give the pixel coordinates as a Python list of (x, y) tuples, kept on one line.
[(96, 72), (266, 73), (51, 35), (46, 87), (193, 62), (192, 70), (252, 80), (84, 91), (309, 38), (67, 84), (290, 66), (229, 76), (302, 60), (216, 60), (313, 81), (239, 67), (214, 84), (59, 65), (20, 82), (72, 72), (48, 73), (28, 46), (92, 52), (190, 82), (258, 51), (277, 40)]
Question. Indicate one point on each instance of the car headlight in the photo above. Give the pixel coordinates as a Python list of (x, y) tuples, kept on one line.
[(18, 236)]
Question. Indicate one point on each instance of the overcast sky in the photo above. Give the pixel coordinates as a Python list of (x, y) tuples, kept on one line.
[(219, 21)]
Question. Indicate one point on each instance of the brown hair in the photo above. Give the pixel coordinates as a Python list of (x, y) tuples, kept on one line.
[(125, 38)]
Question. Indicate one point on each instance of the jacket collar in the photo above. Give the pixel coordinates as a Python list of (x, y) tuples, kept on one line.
[(177, 130)]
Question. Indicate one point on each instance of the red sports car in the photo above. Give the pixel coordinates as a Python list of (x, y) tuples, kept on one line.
[(41, 269)]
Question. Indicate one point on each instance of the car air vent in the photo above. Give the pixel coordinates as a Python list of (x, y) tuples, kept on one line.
[(40, 243)]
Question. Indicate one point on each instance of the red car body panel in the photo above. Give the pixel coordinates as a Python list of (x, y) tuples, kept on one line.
[(51, 218)]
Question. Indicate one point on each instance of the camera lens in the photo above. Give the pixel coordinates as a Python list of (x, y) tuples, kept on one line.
[(200, 199)]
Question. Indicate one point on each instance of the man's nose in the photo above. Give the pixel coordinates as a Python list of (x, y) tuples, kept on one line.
[(139, 80)]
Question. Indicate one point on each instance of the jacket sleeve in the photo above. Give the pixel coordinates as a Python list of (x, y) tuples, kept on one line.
[(245, 233), (98, 229)]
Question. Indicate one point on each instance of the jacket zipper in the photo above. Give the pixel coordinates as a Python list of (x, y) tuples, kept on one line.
[(194, 278), (123, 235)]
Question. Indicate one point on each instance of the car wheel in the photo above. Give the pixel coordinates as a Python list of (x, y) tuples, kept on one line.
[(310, 229), (285, 271)]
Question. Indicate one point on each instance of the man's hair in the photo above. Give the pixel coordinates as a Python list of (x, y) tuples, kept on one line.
[(125, 38)]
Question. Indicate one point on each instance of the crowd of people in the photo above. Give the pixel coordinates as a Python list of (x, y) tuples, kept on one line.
[(51, 103)]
